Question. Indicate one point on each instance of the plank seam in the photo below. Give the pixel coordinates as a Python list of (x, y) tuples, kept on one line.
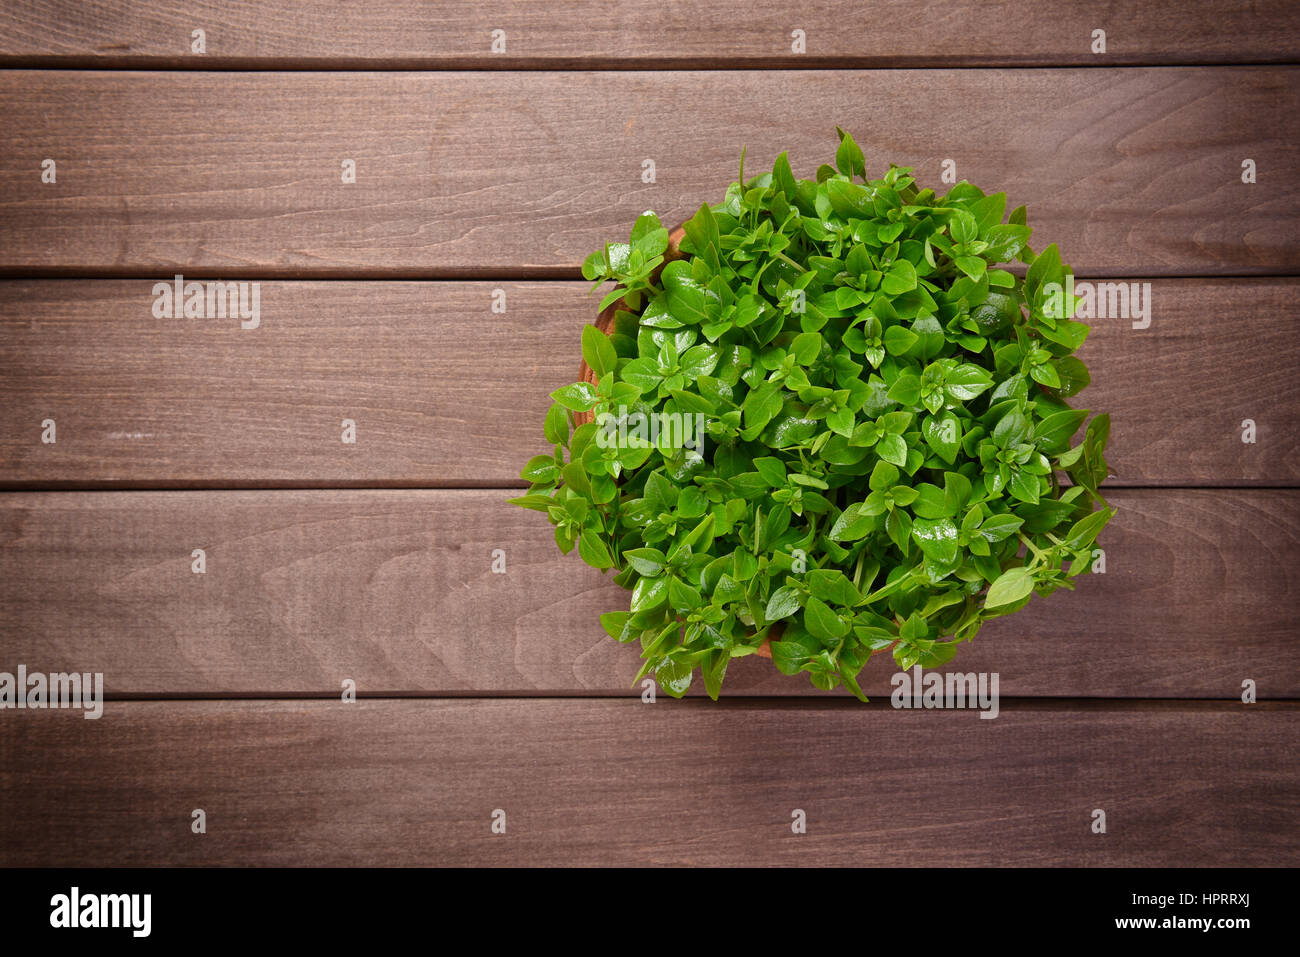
[(878, 701), (483, 64), (33, 487), (556, 274)]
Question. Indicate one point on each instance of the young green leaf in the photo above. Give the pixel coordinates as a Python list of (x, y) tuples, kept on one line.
[(598, 351), (593, 551), (1012, 585), (821, 622), (579, 397), (785, 601)]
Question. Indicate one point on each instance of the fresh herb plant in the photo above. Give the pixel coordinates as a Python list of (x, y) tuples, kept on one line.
[(887, 430)]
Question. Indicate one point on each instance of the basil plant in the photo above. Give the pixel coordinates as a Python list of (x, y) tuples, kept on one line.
[(828, 422)]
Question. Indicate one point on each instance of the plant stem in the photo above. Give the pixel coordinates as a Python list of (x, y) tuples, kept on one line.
[(1038, 555), (790, 261)]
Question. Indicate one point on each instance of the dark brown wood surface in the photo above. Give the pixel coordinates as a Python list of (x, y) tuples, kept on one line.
[(140, 401), (394, 34), (1133, 172), (479, 171), (622, 782), (394, 590)]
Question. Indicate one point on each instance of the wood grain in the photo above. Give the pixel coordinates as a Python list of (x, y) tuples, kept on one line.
[(447, 393), (394, 590), (388, 34), (1133, 172), (621, 782)]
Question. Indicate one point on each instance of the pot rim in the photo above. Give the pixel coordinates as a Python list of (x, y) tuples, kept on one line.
[(605, 318)]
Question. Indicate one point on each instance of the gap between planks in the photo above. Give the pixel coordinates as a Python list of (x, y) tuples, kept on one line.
[(542, 274), (605, 65), (487, 485), (878, 701)]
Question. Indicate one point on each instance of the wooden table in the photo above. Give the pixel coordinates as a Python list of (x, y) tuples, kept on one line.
[(482, 178)]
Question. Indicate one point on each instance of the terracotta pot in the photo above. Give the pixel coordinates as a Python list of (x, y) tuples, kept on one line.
[(765, 649), (605, 322)]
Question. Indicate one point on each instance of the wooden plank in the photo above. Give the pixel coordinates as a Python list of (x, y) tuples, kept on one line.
[(446, 392), (1133, 172), (604, 782), (394, 590), (387, 34)]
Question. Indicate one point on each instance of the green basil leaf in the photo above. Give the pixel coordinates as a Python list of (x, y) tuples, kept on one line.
[(598, 351), (580, 397), (821, 622), (1012, 585), (783, 603)]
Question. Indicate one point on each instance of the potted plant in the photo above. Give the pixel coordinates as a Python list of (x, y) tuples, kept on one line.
[(819, 419)]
